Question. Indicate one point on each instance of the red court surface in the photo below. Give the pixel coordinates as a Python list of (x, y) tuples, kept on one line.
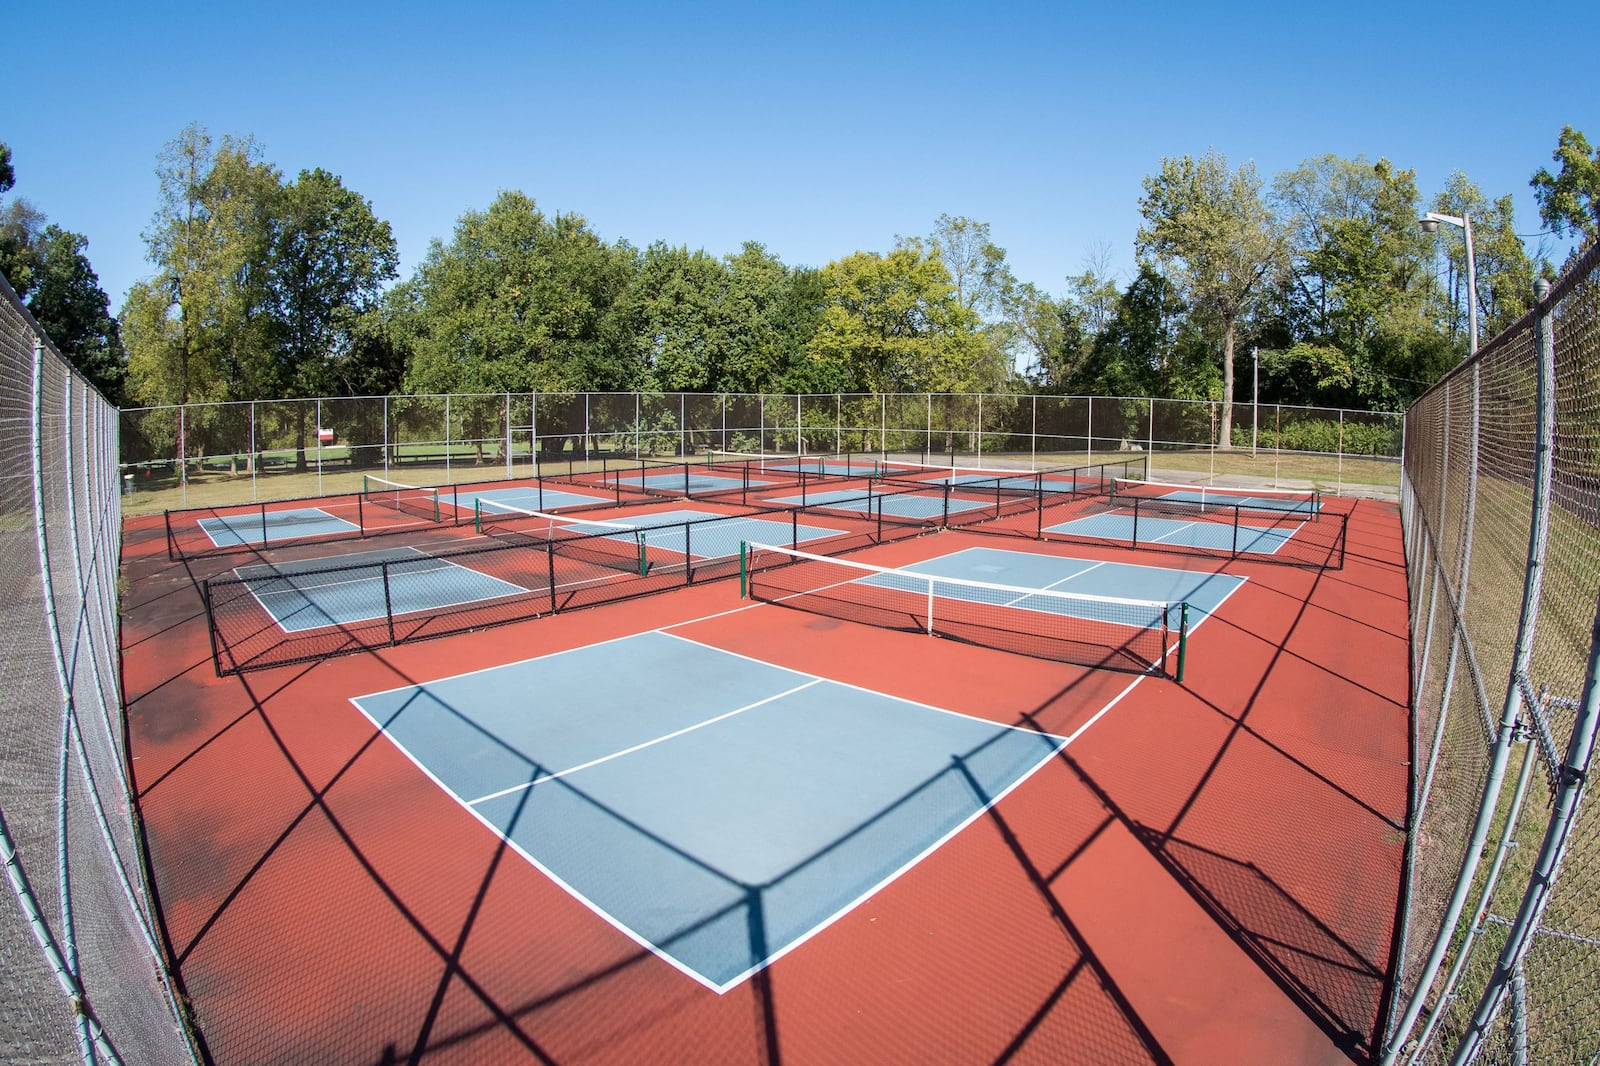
[(1209, 873)]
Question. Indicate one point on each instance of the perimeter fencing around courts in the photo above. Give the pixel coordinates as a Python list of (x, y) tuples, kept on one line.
[(1499, 953), (213, 454), (83, 978), (309, 599)]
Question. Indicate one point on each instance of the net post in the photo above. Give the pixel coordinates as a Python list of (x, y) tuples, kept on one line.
[(794, 529), (171, 544), (744, 570), (550, 571), (264, 537), (1236, 510), (930, 607), (1134, 543), (1183, 638), (361, 507), (388, 604), (688, 553), (211, 626), (477, 516)]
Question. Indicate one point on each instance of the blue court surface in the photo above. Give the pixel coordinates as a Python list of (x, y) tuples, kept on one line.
[(1091, 577), (1215, 534), (898, 504), (229, 531), (299, 599), (691, 483), (718, 537), (718, 809), (525, 498)]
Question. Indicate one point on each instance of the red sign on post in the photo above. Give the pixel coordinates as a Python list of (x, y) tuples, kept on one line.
[(325, 436)]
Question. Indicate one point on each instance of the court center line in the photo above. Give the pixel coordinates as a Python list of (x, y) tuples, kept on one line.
[(643, 744)]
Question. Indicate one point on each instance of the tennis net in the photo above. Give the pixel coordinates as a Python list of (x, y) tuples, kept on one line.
[(616, 545), (766, 462), (1302, 503), (1143, 636), (418, 501)]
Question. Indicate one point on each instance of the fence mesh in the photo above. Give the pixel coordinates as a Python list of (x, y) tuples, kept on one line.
[(1500, 949), (83, 979), (219, 454)]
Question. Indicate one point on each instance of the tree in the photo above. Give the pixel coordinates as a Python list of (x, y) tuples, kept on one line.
[(1052, 333), (330, 258), (1504, 271), (673, 318), (1355, 268), (1569, 200), (74, 311), (895, 324), (49, 271), (211, 244), (1214, 224), (518, 301), (978, 270)]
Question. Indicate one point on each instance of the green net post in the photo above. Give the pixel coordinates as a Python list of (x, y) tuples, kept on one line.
[(477, 516), (1183, 638), (363, 485), (744, 570), (644, 555)]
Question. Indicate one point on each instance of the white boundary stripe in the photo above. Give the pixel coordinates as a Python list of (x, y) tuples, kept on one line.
[(651, 946), (255, 527), (644, 744)]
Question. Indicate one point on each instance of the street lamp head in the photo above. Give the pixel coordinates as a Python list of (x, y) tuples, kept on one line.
[(1429, 225)]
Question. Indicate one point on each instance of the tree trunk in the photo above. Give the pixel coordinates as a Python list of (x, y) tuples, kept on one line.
[(1227, 389)]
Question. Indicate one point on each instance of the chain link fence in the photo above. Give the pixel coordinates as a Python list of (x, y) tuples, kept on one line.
[(1499, 956), (201, 455), (82, 975)]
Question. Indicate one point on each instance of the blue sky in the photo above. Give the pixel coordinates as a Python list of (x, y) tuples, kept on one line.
[(816, 129)]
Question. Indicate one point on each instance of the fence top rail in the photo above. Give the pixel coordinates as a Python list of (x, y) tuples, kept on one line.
[(802, 396)]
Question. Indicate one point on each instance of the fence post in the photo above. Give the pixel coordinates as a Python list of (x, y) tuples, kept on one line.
[(388, 602)]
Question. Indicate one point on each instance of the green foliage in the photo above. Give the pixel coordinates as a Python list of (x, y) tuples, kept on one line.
[(894, 324), (69, 304), (518, 301), (1357, 264), (330, 258), (1569, 200), (1320, 435), (1215, 225), (48, 270)]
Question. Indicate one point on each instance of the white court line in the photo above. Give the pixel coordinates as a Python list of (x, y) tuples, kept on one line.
[(643, 744)]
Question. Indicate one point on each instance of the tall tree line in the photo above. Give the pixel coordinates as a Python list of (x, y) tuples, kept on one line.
[(265, 286)]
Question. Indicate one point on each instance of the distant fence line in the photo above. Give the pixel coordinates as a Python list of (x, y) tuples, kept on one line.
[(1499, 955), (434, 436)]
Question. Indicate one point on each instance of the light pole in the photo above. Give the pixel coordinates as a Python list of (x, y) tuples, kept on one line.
[(1430, 223)]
